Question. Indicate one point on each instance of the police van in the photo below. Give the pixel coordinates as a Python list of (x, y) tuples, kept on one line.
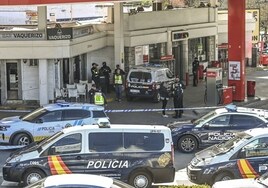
[(244, 156), (137, 154)]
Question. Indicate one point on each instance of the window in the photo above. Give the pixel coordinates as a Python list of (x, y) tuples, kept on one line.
[(68, 144), (51, 116), (99, 114), (140, 77), (245, 121), (75, 114), (143, 141), (256, 148), (220, 121), (103, 142)]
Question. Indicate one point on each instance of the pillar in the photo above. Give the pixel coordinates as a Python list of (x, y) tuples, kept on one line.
[(43, 81), (71, 70), (42, 18), (185, 61), (119, 35), (169, 42), (236, 48)]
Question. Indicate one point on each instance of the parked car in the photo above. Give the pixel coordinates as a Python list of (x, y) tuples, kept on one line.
[(79, 181), (144, 81), (260, 182), (216, 126), (47, 120), (137, 154), (244, 156)]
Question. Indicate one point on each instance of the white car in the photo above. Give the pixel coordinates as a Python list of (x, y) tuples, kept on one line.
[(48, 120), (261, 182), (79, 181)]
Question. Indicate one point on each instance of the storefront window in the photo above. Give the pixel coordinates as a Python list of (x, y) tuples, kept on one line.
[(198, 48)]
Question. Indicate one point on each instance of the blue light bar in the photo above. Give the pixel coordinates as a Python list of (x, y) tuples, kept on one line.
[(231, 108), (63, 104)]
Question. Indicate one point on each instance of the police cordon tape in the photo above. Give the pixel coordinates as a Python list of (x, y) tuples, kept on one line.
[(160, 109)]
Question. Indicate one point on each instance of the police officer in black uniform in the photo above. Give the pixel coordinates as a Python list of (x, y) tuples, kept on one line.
[(95, 74), (178, 87), (105, 71), (195, 66)]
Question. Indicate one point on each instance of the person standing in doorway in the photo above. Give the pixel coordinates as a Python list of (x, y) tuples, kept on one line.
[(164, 96), (178, 87), (105, 71), (118, 82), (95, 74), (195, 66)]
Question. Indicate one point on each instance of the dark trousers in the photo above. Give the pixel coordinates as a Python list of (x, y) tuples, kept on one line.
[(118, 91), (178, 103), (195, 79), (164, 105)]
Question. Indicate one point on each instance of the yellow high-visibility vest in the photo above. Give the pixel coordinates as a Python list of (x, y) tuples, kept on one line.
[(98, 99), (118, 79)]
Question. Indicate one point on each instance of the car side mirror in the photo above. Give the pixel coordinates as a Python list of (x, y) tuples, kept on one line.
[(39, 121), (206, 126)]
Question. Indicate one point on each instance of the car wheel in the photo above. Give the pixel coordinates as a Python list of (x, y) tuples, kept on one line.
[(140, 179), (21, 139), (32, 176), (223, 177), (187, 144), (156, 97)]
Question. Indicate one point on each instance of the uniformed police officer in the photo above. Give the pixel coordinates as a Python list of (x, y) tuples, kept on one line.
[(99, 98), (178, 97), (195, 66), (95, 74), (118, 82)]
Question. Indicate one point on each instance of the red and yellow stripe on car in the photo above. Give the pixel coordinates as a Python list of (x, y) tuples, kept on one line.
[(57, 166), (246, 169)]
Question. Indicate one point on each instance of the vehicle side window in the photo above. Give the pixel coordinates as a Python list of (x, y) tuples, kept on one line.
[(68, 144), (220, 121), (244, 121), (144, 141), (104, 142), (51, 116), (256, 148), (98, 114), (75, 114)]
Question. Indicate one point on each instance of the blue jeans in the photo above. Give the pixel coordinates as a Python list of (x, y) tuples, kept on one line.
[(118, 91)]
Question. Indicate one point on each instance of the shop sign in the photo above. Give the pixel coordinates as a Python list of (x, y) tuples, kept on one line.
[(59, 33), (179, 35), (22, 35), (80, 32)]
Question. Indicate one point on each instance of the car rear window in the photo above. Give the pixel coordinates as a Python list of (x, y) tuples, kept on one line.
[(99, 114), (75, 114), (140, 77)]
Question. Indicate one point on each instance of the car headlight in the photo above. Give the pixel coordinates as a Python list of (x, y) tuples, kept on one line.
[(15, 159)]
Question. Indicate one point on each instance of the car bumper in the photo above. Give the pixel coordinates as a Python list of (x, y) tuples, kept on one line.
[(11, 173), (3, 138), (163, 175), (197, 176), (140, 93)]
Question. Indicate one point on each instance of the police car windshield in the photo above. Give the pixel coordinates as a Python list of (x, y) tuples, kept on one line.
[(226, 146), (205, 117), (33, 115)]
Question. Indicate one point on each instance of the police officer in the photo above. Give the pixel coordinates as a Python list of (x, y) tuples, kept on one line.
[(99, 98), (118, 82), (178, 97), (95, 74), (105, 71), (195, 66)]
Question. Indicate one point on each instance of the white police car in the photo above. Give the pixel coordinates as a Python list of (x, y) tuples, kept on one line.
[(79, 180), (47, 120), (216, 126)]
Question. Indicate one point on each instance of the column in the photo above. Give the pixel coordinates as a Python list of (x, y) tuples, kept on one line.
[(185, 61), (43, 81), (42, 17), (71, 70), (119, 35), (169, 43)]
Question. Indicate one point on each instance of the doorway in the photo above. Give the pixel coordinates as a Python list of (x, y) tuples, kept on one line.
[(12, 81), (178, 56)]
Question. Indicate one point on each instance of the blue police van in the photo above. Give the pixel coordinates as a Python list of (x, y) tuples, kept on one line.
[(137, 154), (244, 156), (216, 126)]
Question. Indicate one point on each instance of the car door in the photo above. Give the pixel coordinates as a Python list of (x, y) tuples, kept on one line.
[(215, 130), (47, 124), (66, 155), (253, 158), (241, 122)]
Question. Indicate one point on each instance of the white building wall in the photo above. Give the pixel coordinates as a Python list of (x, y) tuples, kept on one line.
[(30, 82)]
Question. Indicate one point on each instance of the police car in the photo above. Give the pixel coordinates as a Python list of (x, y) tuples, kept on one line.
[(79, 181), (47, 120), (137, 154), (244, 156), (218, 125)]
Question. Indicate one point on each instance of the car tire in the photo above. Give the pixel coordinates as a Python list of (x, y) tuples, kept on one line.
[(140, 179), (187, 144), (32, 175), (156, 97), (21, 139), (223, 176)]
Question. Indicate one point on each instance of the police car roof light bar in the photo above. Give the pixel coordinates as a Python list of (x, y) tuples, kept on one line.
[(63, 104), (231, 108)]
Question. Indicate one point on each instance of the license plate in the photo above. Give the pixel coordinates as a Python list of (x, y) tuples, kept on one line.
[(134, 91)]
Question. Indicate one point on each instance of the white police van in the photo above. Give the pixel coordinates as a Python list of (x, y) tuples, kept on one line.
[(137, 154), (47, 120)]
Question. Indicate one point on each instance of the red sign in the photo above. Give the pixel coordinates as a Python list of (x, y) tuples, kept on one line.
[(211, 74), (167, 57), (40, 2)]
